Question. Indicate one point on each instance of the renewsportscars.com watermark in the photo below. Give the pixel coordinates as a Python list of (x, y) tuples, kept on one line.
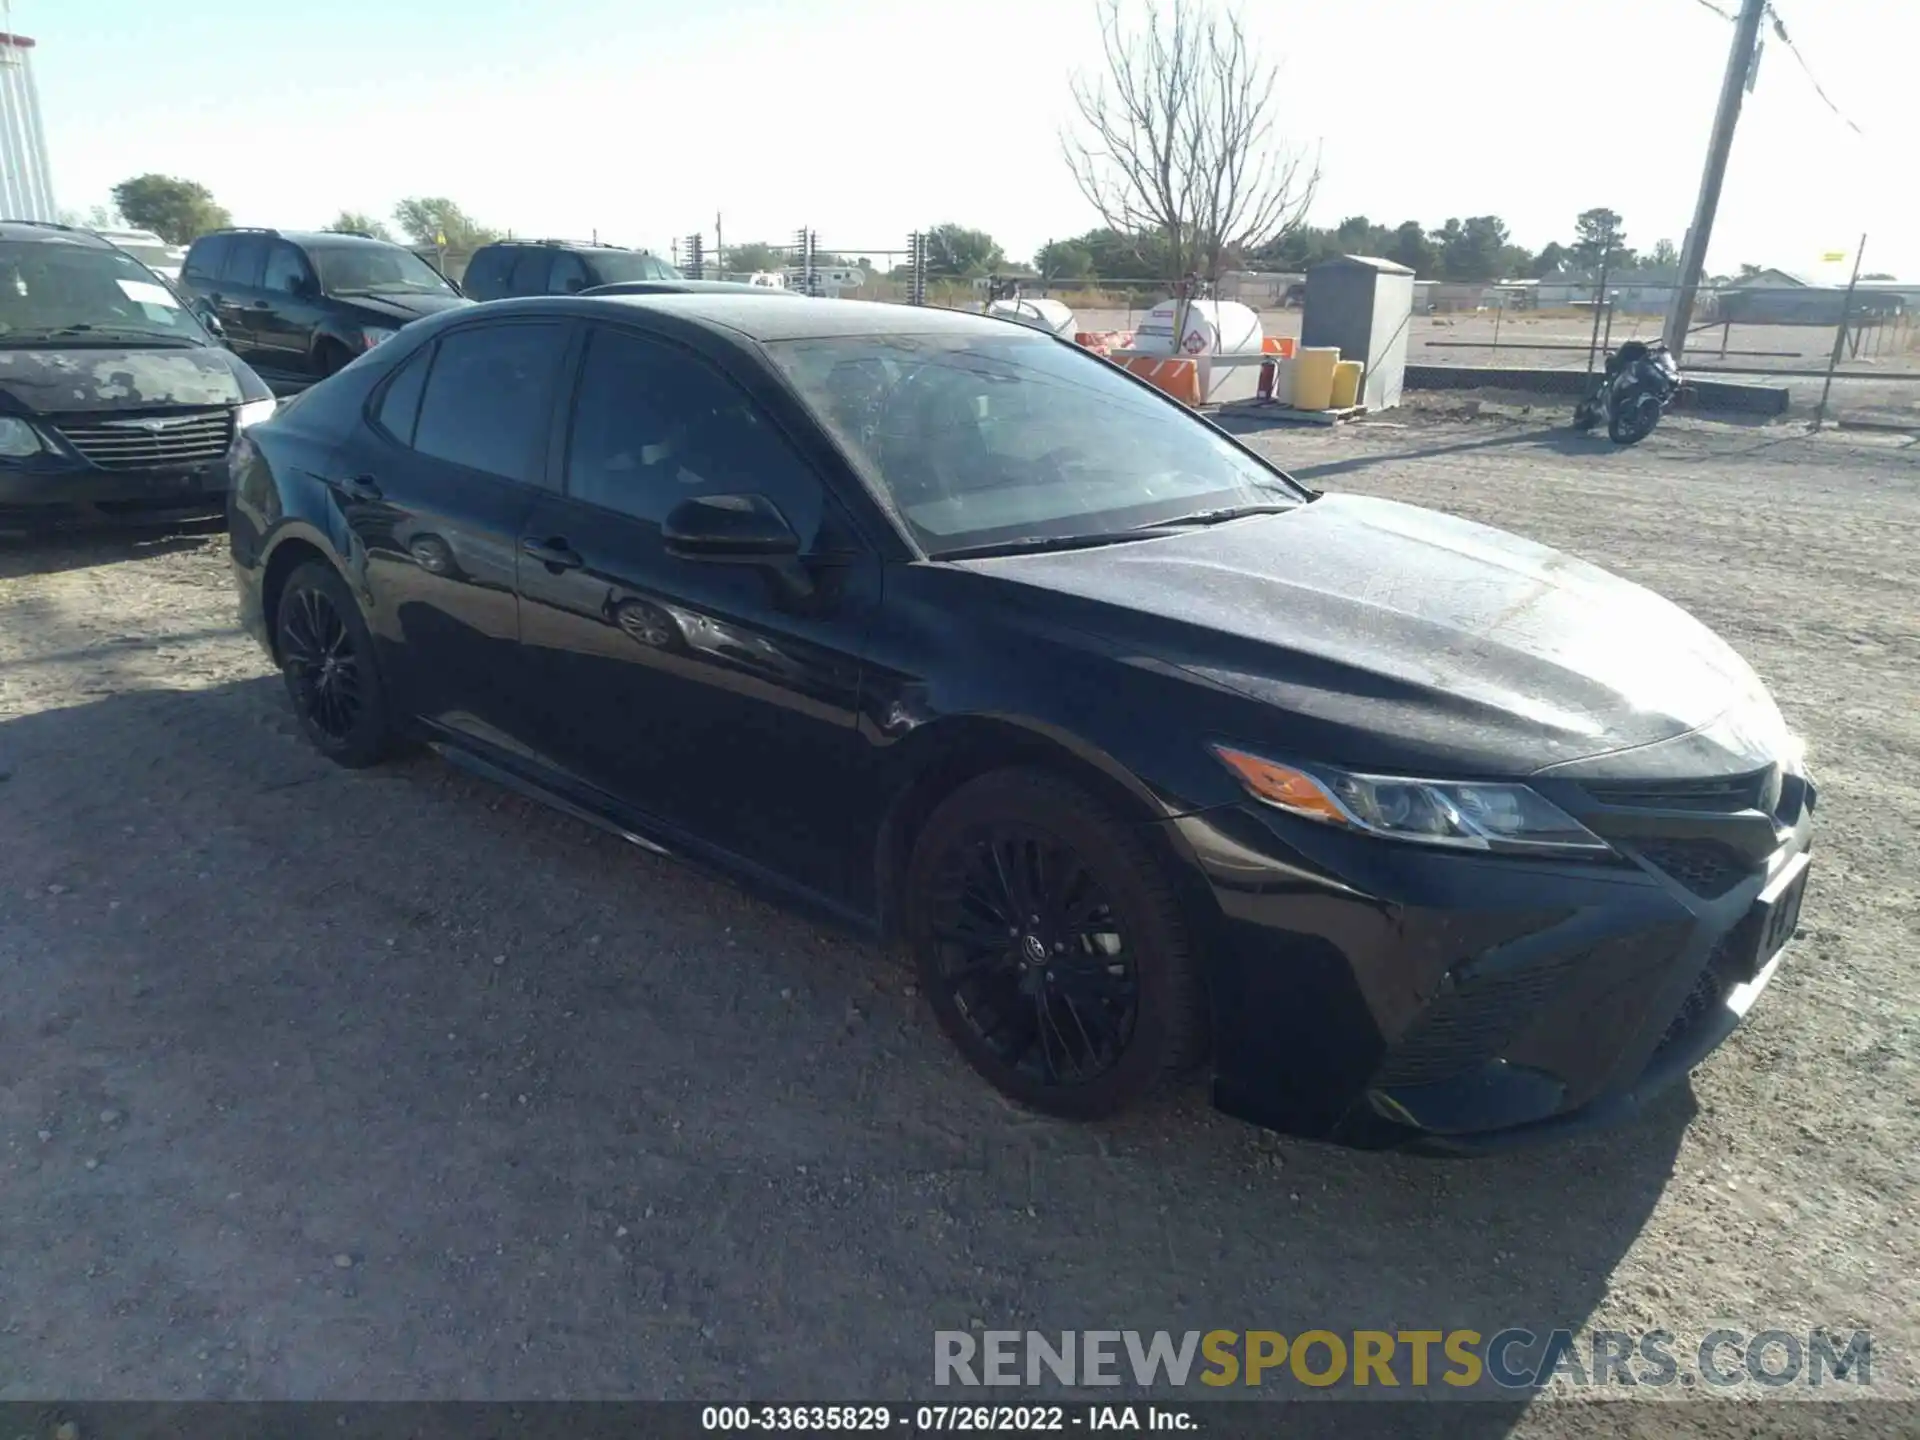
[(1511, 1359)]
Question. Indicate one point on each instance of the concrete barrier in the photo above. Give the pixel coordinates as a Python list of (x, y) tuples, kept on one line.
[(1701, 395)]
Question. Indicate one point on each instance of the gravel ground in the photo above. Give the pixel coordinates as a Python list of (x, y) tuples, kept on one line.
[(393, 1085)]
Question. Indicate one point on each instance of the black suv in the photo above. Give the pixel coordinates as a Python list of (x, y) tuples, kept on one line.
[(297, 307), (113, 396), (556, 267)]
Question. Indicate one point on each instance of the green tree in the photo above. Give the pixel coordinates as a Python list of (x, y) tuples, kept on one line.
[(1409, 246), (1474, 249), (1064, 260), (353, 222), (1664, 255), (425, 220), (756, 255), (1550, 261), (178, 211), (954, 250), (1596, 236)]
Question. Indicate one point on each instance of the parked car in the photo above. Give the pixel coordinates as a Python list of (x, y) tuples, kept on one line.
[(297, 307), (150, 250), (946, 628), (113, 397), (509, 268)]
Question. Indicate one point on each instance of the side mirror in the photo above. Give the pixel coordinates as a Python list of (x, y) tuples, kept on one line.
[(741, 529)]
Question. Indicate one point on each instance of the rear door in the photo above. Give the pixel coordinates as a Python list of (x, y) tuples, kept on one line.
[(436, 489), (486, 274), (567, 275), (709, 696), (242, 298)]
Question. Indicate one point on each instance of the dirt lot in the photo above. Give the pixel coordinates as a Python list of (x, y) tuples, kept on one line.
[(393, 1085)]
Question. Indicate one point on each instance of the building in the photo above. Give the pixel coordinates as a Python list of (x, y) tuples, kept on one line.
[(1777, 297), (26, 182)]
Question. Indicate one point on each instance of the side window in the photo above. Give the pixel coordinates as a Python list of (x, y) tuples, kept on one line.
[(653, 425), (529, 271), (246, 261), (489, 398), (287, 269), (568, 276), (399, 408), (206, 256), (486, 277)]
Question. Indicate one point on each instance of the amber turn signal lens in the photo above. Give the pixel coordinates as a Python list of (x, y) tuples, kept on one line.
[(1282, 785)]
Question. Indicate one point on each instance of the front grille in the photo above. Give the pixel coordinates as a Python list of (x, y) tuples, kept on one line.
[(1705, 867), (1724, 796), (1710, 990), (1472, 1021), (182, 440)]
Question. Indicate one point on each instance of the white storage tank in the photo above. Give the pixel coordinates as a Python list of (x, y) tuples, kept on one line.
[(1041, 314), (1213, 327)]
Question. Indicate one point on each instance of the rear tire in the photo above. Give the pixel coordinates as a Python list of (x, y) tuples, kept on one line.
[(1052, 947), (1634, 420), (327, 662)]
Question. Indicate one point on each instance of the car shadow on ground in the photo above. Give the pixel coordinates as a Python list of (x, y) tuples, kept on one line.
[(49, 550), (391, 1084)]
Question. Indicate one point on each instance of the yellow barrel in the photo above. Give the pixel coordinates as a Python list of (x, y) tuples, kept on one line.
[(1346, 384), (1283, 377), (1313, 371)]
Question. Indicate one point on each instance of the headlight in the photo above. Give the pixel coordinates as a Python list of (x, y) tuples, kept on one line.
[(1466, 815), (372, 335), (18, 439), (254, 411)]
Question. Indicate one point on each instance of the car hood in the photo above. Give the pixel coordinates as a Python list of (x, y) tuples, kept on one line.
[(80, 378), (1410, 633), (402, 308)]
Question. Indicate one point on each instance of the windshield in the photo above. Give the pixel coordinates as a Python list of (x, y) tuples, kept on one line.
[(156, 257), (614, 267), (49, 289), (979, 440), (375, 270)]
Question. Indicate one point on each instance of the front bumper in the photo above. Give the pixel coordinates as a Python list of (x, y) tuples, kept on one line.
[(63, 487), (1382, 995)]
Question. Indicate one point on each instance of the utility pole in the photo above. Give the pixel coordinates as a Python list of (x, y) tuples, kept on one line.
[(1840, 338), (1746, 32)]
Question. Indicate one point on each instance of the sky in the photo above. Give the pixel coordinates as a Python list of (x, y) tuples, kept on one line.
[(866, 119)]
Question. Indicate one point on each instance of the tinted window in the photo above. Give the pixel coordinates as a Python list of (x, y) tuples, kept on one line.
[(286, 268), (529, 272), (246, 261), (568, 276), (614, 266), (486, 277), (206, 257), (49, 287), (983, 438), (652, 425), (489, 396), (352, 269), (400, 401)]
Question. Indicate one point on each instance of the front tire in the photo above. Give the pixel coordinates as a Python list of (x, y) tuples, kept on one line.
[(1051, 946), (327, 661), (1633, 420)]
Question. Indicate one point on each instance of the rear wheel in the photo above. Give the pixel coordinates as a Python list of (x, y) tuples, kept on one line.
[(1051, 946), (327, 661)]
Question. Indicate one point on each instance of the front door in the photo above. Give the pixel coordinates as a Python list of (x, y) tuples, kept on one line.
[(436, 491), (283, 331), (720, 698), (240, 298)]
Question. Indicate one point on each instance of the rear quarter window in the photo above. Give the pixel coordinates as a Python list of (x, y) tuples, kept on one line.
[(486, 277), (206, 256)]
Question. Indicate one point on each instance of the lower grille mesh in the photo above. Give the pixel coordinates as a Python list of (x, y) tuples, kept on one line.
[(1706, 868), (1472, 1022)]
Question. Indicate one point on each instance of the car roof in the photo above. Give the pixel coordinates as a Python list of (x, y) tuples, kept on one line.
[(307, 237), (686, 287), (47, 231), (817, 319), (584, 247)]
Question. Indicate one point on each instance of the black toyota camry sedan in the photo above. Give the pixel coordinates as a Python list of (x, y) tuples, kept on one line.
[(1414, 831)]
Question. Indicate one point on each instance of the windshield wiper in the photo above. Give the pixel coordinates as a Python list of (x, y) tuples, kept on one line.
[(104, 332), (1038, 544), (1225, 512)]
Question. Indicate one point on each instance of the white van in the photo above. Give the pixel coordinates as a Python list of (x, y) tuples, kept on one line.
[(149, 249)]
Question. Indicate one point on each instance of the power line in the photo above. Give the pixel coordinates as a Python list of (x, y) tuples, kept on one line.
[(1709, 5), (1780, 29)]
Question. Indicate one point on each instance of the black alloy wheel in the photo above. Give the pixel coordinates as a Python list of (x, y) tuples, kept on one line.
[(1051, 947), (1634, 418), (326, 658)]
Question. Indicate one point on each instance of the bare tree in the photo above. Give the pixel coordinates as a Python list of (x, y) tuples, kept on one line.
[(1177, 139)]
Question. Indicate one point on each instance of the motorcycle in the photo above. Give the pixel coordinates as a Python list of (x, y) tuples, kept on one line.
[(1641, 380)]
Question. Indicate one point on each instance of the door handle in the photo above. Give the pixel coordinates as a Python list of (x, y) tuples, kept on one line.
[(360, 487), (554, 553)]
